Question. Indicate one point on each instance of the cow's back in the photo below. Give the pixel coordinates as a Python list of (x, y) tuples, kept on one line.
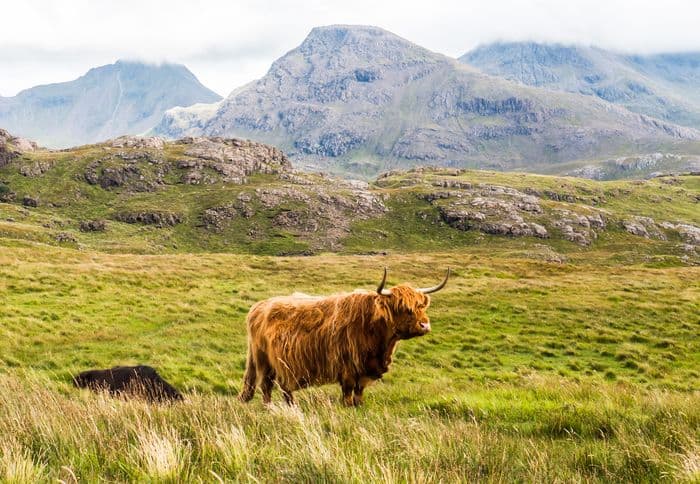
[(299, 336)]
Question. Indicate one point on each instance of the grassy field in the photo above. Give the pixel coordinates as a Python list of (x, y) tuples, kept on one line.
[(535, 371)]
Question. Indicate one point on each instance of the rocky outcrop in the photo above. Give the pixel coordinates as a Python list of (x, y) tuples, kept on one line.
[(29, 201), (36, 168), (93, 226), (643, 227), (579, 228), (315, 212), (65, 238), (490, 209), (689, 233), (499, 210), (6, 194), (11, 147), (137, 171), (233, 160), (651, 229), (508, 223), (139, 142), (332, 144), (648, 165), (159, 219)]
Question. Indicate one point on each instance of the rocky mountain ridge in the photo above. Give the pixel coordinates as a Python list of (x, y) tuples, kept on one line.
[(664, 86), (361, 100)]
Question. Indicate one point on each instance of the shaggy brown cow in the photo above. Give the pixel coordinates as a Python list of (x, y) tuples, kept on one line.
[(299, 340), (133, 381)]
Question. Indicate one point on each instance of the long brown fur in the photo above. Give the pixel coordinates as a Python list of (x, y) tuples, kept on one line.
[(299, 340)]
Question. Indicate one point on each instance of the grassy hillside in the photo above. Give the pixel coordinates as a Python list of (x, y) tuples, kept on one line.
[(534, 370), (162, 200)]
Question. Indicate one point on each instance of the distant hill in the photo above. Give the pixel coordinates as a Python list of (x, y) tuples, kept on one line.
[(108, 101), (360, 99), (664, 86), (229, 195)]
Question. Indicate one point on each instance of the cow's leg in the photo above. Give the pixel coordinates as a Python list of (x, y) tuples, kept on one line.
[(249, 380), (347, 385), (266, 374), (362, 382), (268, 382), (287, 394)]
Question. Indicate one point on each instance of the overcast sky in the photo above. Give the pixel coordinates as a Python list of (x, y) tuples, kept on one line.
[(228, 43)]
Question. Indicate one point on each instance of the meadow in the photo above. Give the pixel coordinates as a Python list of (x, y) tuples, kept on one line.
[(535, 371)]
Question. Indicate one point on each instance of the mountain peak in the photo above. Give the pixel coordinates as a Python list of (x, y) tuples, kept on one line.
[(362, 41), (344, 32), (126, 97), (359, 98)]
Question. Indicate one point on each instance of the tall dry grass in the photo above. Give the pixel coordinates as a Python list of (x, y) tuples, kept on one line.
[(589, 433)]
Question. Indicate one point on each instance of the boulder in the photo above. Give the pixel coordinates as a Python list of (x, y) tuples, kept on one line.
[(150, 142), (28, 201), (93, 226), (158, 219)]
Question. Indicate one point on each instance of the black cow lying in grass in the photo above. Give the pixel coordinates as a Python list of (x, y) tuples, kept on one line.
[(129, 381)]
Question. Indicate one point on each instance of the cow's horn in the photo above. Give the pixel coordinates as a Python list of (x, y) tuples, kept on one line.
[(380, 289), (428, 290)]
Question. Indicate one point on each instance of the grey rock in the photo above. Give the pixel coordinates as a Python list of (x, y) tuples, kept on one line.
[(148, 142), (689, 233), (6, 194), (158, 219), (643, 227), (36, 168), (233, 159), (648, 165), (11, 147), (491, 209), (582, 229), (65, 237), (93, 226), (215, 219), (112, 172), (28, 201)]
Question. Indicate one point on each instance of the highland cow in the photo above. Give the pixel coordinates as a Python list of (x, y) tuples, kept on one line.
[(129, 381), (299, 341)]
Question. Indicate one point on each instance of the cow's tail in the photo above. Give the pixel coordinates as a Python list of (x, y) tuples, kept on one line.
[(250, 378)]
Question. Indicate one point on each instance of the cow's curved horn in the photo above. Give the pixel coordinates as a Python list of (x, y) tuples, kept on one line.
[(380, 290), (428, 290)]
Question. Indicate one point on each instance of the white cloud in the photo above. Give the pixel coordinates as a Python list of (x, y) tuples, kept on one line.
[(227, 44)]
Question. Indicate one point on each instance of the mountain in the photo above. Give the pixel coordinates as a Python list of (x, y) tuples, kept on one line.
[(108, 101), (361, 99), (664, 86), (229, 195)]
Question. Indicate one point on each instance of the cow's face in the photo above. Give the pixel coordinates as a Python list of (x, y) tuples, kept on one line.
[(407, 307), (409, 312)]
